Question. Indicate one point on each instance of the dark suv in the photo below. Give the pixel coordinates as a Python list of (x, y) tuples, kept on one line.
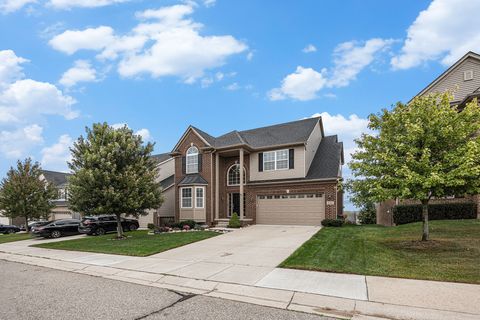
[(98, 225), (57, 228)]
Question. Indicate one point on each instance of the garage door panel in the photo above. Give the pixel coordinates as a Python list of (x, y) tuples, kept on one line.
[(291, 211)]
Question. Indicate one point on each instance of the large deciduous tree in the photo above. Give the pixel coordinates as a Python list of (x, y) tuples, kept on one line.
[(113, 173), (24, 194), (426, 148)]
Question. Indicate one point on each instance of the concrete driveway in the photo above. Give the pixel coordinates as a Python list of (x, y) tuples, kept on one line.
[(244, 256)]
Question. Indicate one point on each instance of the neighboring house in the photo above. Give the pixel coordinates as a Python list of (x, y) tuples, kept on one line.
[(463, 79), (60, 182), (282, 174)]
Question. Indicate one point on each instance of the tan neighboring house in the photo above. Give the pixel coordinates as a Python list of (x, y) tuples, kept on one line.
[(463, 79), (60, 182), (282, 174)]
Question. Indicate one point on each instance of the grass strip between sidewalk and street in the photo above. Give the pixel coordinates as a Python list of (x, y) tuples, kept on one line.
[(451, 254), (138, 243), (4, 238)]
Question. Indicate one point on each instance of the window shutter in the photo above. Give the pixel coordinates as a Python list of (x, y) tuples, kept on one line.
[(260, 162), (184, 164), (291, 156), (199, 162)]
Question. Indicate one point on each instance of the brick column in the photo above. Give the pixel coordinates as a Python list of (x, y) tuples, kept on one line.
[(217, 192), (241, 185)]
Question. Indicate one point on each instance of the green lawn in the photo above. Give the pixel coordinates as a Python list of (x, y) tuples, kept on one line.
[(138, 243), (452, 254), (4, 238)]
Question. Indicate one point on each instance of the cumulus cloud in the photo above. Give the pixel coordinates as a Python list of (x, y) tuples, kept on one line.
[(350, 58), (7, 6), (166, 42), (301, 85), (23, 104), (56, 156), (144, 133), (445, 31), (81, 71), (309, 48)]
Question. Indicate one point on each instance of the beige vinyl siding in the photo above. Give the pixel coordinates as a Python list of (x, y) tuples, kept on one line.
[(297, 172), (4, 220), (291, 211), (197, 214), (166, 169), (143, 221), (455, 78), (312, 146), (168, 206)]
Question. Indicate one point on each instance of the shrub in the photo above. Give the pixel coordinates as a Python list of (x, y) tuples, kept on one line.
[(332, 222), (186, 227), (403, 214), (368, 215), (234, 221), (151, 226), (179, 225)]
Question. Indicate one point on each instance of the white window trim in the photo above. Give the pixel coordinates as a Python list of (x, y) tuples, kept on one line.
[(203, 197), (191, 155), (275, 160), (181, 198), (228, 174)]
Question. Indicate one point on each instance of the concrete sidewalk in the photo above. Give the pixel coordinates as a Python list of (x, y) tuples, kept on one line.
[(339, 295)]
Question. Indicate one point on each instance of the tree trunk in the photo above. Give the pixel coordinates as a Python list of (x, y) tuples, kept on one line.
[(426, 232), (119, 227), (26, 223)]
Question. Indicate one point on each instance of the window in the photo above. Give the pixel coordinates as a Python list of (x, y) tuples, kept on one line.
[(62, 194), (233, 177), (192, 160), (275, 160), (199, 197), (186, 199), (467, 75)]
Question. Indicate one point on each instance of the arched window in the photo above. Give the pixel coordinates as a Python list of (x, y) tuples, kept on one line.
[(192, 160), (233, 176)]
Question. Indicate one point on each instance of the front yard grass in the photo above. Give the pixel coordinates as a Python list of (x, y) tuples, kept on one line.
[(452, 254), (138, 243), (4, 238)]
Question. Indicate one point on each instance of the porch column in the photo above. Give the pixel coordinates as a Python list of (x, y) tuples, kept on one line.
[(217, 192), (241, 185)]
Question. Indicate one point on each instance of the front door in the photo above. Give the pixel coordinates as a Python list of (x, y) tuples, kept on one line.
[(234, 204)]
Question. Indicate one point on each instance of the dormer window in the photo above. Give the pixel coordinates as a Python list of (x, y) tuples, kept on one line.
[(192, 160)]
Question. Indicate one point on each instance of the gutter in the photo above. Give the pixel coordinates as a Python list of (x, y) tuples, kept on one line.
[(294, 181)]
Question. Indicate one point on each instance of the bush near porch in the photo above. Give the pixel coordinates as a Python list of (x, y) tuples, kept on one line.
[(452, 254), (138, 243)]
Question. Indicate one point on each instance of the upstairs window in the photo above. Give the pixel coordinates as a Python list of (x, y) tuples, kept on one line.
[(192, 160), (276, 160), (233, 177)]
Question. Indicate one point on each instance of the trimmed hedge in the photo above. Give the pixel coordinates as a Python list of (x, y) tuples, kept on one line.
[(180, 224), (332, 222), (403, 214)]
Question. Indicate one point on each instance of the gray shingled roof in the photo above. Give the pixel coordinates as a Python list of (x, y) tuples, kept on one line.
[(167, 182), (327, 160), (55, 177), (192, 179), (280, 134), (161, 157)]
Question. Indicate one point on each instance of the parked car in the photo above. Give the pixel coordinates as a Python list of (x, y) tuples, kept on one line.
[(36, 224), (8, 229), (98, 225), (57, 228)]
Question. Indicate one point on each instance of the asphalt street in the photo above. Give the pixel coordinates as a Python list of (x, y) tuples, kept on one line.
[(29, 292)]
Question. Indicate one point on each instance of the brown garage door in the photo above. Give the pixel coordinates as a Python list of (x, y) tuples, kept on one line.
[(289, 209)]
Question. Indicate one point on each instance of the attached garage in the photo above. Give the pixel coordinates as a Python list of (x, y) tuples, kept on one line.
[(291, 209)]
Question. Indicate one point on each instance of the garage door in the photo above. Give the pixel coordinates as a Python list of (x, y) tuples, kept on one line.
[(291, 209)]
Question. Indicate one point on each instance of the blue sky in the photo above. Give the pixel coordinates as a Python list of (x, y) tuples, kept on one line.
[(159, 66)]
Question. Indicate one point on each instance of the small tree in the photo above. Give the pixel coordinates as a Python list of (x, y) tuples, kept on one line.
[(23, 194), (113, 173), (234, 221), (423, 149), (360, 197)]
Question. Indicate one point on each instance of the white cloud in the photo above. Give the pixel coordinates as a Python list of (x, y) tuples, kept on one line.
[(209, 3), (23, 104), (55, 157), (309, 48), (82, 71), (165, 43), (301, 85), (71, 41), (350, 58), (233, 87), (8, 6), (144, 133), (16, 143), (445, 31), (68, 4)]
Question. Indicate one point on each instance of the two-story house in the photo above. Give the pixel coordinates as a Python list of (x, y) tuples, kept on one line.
[(463, 80), (60, 181), (282, 174)]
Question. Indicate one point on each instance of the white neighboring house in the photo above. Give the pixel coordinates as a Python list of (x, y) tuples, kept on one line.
[(60, 181), (4, 220)]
